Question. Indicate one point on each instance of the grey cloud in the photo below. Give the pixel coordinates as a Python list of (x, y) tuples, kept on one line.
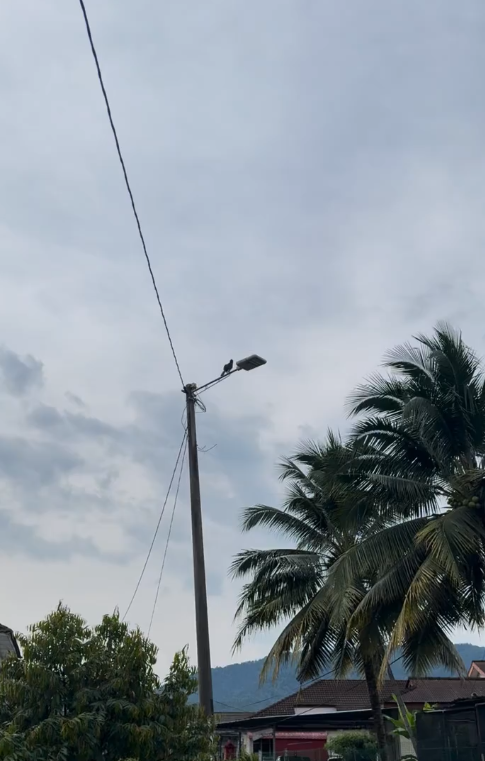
[(90, 426), (31, 464), (19, 539), (237, 456), (320, 178), (74, 399), (20, 374), (44, 416), (70, 425), (269, 159), (233, 473)]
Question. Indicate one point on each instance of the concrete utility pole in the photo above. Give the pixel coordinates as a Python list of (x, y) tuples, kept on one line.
[(201, 614)]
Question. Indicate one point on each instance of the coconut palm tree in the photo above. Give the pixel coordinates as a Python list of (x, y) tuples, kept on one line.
[(422, 428), (325, 514)]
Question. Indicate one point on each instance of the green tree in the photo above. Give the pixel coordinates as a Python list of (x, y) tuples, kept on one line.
[(91, 694), (191, 734), (329, 511), (353, 746), (290, 585), (425, 426)]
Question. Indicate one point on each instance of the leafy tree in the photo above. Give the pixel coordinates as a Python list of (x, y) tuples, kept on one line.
[(329, 511), (91, 694), (190, 732), (353, 746), (290, 585), (425, 426)]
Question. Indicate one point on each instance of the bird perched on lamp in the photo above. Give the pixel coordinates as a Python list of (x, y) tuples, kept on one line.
[(227, 368)]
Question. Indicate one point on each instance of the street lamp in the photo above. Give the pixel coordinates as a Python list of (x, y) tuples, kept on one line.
[(201, 615), (250, 363)]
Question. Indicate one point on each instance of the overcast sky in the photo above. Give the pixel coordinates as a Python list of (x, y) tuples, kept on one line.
[(310, 175)]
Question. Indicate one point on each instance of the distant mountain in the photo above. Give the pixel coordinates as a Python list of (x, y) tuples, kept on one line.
[(236, 687)]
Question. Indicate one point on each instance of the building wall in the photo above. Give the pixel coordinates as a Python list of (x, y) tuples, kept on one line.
[(246, 742), (405, 747)]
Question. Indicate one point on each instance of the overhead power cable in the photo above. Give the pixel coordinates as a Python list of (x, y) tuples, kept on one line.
[(210, 385), (128, 186), (168, 538), (158, 524)]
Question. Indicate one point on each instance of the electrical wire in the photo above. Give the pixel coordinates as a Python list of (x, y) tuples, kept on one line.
[(168, 537), (158, 524), (210, 385), (128, 186)]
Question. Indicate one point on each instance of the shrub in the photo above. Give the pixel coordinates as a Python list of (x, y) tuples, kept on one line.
[(353, 746)]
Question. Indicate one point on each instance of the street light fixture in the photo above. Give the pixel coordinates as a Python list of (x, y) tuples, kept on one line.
[(201, 616), (248, 363), (251, 362)]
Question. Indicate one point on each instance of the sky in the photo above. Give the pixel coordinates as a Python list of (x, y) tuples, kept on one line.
[(310, 177)]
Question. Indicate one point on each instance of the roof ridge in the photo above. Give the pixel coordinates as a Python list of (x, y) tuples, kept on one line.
[(298, 693), (281, 700)]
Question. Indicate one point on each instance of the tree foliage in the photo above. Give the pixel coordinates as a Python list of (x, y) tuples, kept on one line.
[(325, 515), (387, 529), (424, 425), (91, 694), (353, 746)]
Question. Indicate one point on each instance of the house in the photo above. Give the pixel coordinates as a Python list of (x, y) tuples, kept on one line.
[(477, 670), (305, 720), (229, 745), (8, 643)]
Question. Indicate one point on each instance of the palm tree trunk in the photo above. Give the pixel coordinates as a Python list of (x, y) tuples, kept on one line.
[(375, 704)]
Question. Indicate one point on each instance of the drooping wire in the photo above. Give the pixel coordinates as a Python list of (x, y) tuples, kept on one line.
[(168, 537), (158, 524), (128, 186)]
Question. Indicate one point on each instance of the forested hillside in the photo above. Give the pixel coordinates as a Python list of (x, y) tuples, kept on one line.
[(237, 686)]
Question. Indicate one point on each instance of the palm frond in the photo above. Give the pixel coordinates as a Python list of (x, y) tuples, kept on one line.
[(310, 625), (383, 550), (452, 538), (413, 363), (378, 395), (284, 522)]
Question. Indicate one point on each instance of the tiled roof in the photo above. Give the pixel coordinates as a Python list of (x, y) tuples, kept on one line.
[(436, 690), (480, 664), (352, 695), (342, 694)]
